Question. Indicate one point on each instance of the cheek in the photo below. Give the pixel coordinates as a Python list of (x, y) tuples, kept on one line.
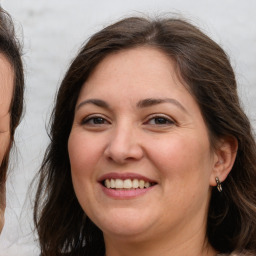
[(184, 166), (81, 162), (182, 158), (84, 153)]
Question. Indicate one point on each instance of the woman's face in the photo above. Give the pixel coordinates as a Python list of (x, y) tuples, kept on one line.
[(6, 90), (139, 150)]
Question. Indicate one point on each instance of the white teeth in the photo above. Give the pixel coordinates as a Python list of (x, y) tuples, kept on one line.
[(119, 183), (147, 184), (112, 183), (107, 183), (126, 184), (141, 183), (135, 183)]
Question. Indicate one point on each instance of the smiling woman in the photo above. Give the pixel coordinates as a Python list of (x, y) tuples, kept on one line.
[(151, 153), (11, 97)]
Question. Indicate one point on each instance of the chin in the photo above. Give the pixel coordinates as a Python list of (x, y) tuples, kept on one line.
[(127, 232), (125, 223)]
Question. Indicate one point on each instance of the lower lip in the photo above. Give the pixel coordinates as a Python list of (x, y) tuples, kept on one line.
[(125, 194)]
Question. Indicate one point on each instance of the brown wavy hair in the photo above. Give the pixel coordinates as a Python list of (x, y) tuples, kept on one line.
[(11, 48), (204, 67)]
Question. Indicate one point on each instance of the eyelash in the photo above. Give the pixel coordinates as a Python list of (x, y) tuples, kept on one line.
[(94, 118), (164, 121)]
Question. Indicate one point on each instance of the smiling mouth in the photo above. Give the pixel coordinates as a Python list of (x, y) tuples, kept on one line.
[(127, 184)]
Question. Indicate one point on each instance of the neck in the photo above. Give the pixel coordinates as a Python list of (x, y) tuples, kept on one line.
[(195, 246)]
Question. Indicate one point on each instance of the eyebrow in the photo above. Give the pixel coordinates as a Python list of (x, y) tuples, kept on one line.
[(152, 102), (141, 104), (97, 102)]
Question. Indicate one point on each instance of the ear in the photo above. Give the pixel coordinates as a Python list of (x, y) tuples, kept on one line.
[(224, 158)]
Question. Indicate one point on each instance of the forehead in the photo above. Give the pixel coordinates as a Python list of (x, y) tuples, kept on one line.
[(134, 68), (133, 59), (6, 84)]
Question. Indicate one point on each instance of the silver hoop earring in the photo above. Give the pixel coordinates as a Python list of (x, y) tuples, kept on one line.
[(219, 186)]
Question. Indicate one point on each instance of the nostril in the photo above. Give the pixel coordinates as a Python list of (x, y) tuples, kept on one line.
[(124, 154)]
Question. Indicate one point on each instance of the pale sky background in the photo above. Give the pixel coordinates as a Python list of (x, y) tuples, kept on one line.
[(53, 31)]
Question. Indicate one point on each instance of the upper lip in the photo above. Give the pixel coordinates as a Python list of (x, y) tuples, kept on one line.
[(123, 176)]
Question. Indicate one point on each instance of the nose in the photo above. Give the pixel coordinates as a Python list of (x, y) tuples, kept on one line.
[(124, 145)]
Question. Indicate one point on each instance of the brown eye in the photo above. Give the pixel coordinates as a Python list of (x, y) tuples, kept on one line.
[(97, 120), (159, 120)]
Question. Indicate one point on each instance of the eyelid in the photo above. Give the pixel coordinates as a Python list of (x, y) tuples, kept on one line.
[(158, 115), (92, 116)]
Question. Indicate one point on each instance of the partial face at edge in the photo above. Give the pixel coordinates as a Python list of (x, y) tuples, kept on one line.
[(6, 92), (135, 119)]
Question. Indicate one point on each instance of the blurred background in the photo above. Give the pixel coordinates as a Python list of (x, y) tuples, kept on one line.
[(52, 32)]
